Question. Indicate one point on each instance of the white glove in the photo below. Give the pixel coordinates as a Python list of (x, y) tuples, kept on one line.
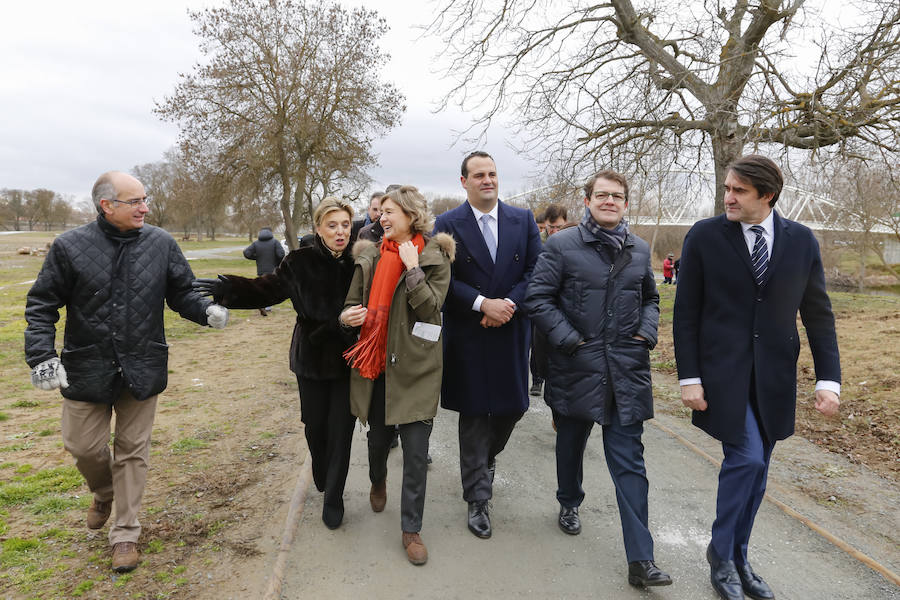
[(217, 316), (49, 375)]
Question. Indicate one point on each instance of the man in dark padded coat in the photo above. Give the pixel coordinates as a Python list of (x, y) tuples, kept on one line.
[(593, 296), (113, 276)]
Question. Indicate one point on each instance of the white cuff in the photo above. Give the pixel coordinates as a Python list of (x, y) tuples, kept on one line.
[(476, 306), (831, 386), (689, 381)]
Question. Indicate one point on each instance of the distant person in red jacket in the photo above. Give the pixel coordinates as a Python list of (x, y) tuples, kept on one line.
[(668, 268)]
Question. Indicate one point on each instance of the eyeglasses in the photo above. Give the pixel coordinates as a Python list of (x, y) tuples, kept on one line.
[(132, 203), (602, 196)]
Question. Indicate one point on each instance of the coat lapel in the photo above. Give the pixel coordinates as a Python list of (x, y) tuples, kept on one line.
[(735, 235), (470, 232), (780, 228), (507, 223)]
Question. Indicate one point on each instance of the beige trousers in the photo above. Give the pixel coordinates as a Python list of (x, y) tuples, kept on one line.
[(122, 474)]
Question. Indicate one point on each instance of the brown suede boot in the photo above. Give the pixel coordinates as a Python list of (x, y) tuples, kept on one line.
[(125, 557), (378, 495), (415, 548), (98, 513)]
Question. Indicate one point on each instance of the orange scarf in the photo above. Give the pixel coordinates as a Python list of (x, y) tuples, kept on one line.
[(369, 354)]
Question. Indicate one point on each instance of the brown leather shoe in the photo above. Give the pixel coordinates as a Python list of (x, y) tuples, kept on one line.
[(98, 513), (415, 548), (125, 557), (378, 495)]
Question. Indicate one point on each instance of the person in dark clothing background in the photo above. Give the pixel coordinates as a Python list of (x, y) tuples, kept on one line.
[(315, 277), (267, 252), (555, 218)]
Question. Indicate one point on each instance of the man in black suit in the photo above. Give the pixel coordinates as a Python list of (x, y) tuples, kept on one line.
[(744, 276)]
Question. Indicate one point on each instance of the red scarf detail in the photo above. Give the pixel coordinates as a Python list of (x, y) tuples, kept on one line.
[(369, 354)]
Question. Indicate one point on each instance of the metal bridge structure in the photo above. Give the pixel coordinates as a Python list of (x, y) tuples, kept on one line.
[(683, 197)]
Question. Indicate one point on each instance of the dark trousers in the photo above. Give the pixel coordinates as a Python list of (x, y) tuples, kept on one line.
[(414, 441), (481, 439), (325, 411), (625, 461), (742, 485)]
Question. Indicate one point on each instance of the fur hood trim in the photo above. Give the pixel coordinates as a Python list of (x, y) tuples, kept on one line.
[(447, 244)]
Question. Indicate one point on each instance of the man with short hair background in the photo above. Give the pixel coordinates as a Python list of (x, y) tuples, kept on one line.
[(113, 276), (369, 221), (593, 295), (555, 217), (744, 277), (486, 335)]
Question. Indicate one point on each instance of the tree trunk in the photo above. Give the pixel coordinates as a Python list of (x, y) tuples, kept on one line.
[(290, 231), (727, 147)]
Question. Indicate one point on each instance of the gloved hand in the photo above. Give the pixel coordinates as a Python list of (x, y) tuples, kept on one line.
[(217, 316), (49, 375), (212, 287)]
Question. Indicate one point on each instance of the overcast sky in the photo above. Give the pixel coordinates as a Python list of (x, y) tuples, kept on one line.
[(78, 82)]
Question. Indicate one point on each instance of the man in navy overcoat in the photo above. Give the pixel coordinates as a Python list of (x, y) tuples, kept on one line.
[(486, 332), (744, 276)]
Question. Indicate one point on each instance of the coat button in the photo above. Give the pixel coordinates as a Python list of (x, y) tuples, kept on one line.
[(609, 313), (759, 299), (603, 381), (755, 334)]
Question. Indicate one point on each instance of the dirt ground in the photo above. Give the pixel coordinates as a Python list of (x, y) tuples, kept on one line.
[(225, 454), (227, 448)]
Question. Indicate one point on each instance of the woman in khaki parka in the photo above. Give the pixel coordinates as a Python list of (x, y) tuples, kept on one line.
[(395, 297)]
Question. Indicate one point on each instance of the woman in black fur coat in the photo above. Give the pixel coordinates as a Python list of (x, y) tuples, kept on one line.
[(315, 277)]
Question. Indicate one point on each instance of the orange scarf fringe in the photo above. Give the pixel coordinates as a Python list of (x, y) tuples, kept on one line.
[(369, 354)]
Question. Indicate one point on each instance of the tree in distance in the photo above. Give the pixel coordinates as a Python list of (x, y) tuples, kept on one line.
[(290, 93)]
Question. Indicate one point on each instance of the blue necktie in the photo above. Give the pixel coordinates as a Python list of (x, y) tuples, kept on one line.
[(489, 236), (760, 255)]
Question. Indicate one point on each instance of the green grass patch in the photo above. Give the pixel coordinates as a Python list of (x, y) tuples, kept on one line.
[(26, 489), (189, 444), (154, 546), (57, 503), (122, 580), (17, 552), (25, 404), (4, 416), (81, 588), (22, 469)]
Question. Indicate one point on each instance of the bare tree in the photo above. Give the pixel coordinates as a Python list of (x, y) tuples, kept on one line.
[(12, 208), (870, 199), (290, 90), (602, 83), (158, 179)]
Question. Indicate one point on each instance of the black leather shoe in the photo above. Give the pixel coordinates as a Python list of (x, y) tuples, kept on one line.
[(753, 584), (536, 389), (645, 573), (724, 576), (479, 520), (333, 515), (569, 521)]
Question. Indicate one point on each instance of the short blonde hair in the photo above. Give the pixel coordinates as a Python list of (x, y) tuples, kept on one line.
[(413, 204), (328, 205)]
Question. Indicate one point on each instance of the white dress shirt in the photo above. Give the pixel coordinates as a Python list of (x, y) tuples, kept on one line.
[(492, 225)]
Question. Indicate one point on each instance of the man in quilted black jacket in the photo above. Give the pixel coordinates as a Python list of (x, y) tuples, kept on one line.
[(113, 276)]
